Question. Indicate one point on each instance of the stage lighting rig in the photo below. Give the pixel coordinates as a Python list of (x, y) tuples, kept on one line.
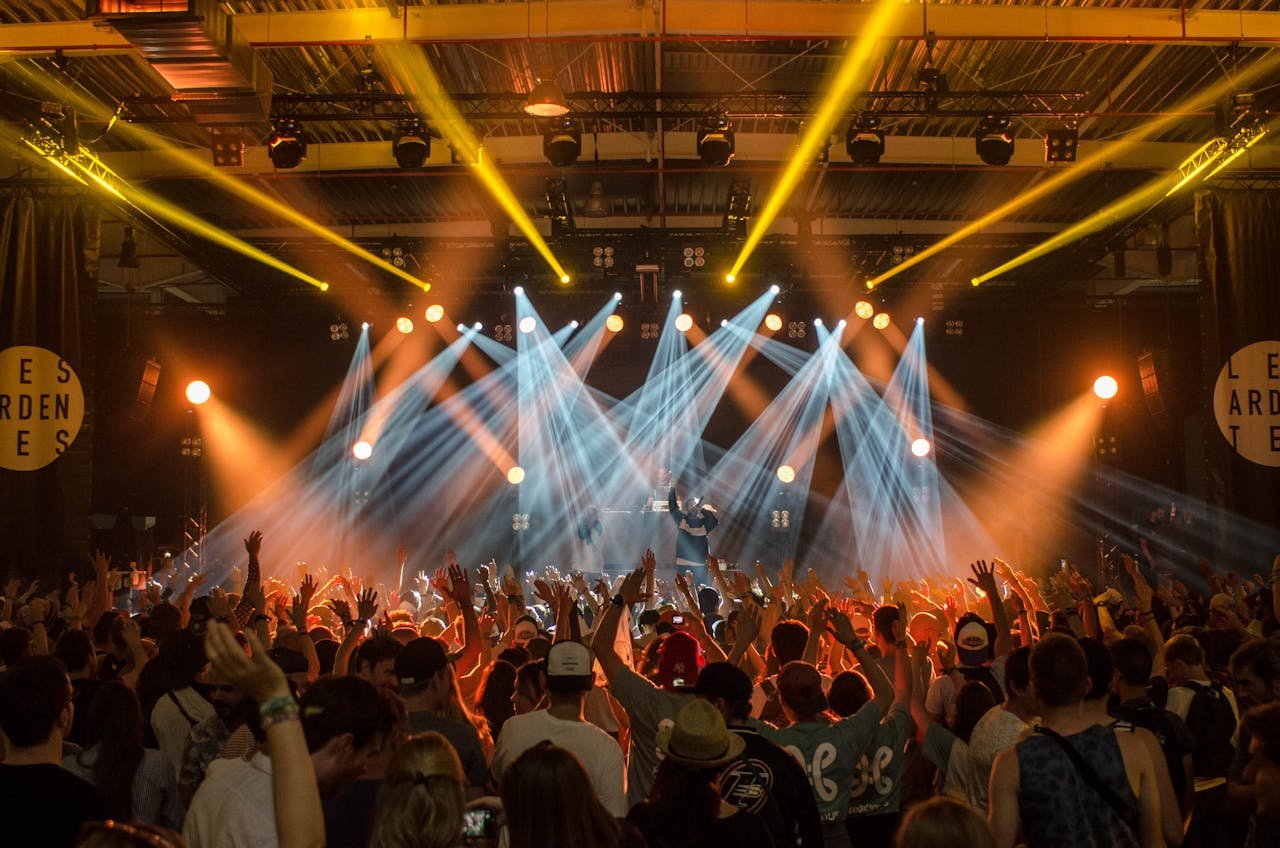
[(412, 144), (562, 142), (650, 330), (227, 150), (559, 207), (797, 329), (602, 257), (398, 254), (865, 140), (994, 140), (287, 144), (339, 332), (503, 331), (715, 141), (694, 257), (1060, 144)]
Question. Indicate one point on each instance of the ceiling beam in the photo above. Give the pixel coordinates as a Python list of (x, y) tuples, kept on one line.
[(707, 20)]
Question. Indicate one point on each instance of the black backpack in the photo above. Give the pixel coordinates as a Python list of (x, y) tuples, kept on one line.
[(1212, 723)]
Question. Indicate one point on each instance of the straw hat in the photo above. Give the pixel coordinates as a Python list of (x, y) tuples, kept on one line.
[(699, 737)]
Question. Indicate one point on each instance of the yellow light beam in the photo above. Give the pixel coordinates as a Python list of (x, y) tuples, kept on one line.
[(1098, 159), (410, 66), (1136, 201), (851, 76), (200, 164)]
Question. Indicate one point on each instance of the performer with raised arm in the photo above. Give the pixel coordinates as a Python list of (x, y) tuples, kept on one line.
[(694, 522), (589, 543)]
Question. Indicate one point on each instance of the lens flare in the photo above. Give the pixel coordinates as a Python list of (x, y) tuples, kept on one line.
[(684, 322), (730, 278), (921, 447), (786, 473), (864, 310), (518, 290), (362, 450), (515, 475), (1105, 387), (564, 278), (434, 313), (404, 325), (881, 321), (527, 324), (614, 323), (773, 321), (198, 392)]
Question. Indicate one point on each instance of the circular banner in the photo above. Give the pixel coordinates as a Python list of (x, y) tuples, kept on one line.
[(41, 407), (1246, 402)]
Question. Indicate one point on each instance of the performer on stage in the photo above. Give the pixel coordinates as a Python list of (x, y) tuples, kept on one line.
[(695, 522), (589, 545)]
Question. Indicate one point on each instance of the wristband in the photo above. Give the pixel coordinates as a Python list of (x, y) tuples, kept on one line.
[(279, 708)]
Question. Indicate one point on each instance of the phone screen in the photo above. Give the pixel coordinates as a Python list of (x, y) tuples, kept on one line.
[(477, 822)]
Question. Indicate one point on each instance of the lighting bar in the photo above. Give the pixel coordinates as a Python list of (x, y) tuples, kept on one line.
[(1095, 160), (852, 73)]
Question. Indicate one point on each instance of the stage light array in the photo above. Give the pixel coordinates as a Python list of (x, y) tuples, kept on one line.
[(434, 313), (198, 392)]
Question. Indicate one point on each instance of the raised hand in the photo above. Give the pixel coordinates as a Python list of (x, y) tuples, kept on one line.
[(342, 609), (367, 604), (253, 544), (839, 625), (255, 674), (818, 614), (749, 622), (632, 584), (459, 585), (984, 578), (1141, 588), (298, 613), (713, 565), (307, 591), (544, 592), (101, 563), (482, 574), (741, 584), (649, 562)]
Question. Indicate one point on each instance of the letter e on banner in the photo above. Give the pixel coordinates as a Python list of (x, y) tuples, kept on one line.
[(41, 407), (1246, 402)]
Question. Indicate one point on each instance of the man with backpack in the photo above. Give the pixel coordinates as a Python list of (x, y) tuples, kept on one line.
[(1209, 710)]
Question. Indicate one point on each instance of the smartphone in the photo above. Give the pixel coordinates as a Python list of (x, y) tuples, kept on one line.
[(677, 620), (478, 822)]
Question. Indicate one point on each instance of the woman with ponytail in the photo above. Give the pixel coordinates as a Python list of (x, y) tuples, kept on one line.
[(422, 798)]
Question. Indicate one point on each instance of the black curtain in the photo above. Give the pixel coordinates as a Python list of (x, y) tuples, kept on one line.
[(48, 271), (1239, 239)]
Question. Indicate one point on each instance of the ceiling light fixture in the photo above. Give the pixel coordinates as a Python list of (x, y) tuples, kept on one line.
[(994, 140), (865, 140), (412, 144), (715, 141), (562, 142), (287, 145), (547, 99)]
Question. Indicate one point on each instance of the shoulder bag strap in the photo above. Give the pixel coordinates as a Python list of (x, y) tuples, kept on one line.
[(1125, 811)]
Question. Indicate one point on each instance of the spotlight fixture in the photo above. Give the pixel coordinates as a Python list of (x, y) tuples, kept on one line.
[(786, 473), (198, 392), (676, 295), (602, 257), (773, 322), (411, 145), (921, 448), (817, 322), (574, 323), (715, 141), (562, 142), (695, 256), (518, 290), (774, 289), (865, 140), (339, 332), (724, 322), (650, 330), (515, 475), (864, 310), (564, 278), (527, 324), (684, 322), (397, 254), (994, 140), (128, 250), (1105, 387), (614, 323), (287, 145), (227, 150), (797, 329), (362, 450), (881, 321), (477, 326), (547, 99), (617, 296), (462, 328), (404, 325), (1060, 144), (503, 332)]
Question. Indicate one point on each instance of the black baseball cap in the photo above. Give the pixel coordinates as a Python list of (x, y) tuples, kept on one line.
[(420, 661)]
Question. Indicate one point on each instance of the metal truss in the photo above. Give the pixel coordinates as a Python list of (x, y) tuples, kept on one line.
[(644, 105)]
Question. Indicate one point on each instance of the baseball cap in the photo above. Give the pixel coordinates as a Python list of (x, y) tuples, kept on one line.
[(570, 667), (974, 638), (420, 660), (800, 688), (679, 660)]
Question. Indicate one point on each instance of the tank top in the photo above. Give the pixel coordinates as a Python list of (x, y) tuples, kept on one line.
[(1059, 809)]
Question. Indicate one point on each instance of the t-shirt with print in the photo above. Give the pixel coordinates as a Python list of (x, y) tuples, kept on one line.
[(648, 708), (877, 779), (829, 754), (767, 780)]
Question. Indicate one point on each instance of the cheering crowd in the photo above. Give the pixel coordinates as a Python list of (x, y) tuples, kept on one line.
[(478, 707)]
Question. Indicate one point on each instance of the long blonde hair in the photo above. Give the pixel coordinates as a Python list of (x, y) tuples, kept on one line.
[(422, 798)]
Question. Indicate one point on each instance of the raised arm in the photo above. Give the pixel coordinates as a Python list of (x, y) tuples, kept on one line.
[(602, 644), (842, 629), (295, 793), (985, 579)]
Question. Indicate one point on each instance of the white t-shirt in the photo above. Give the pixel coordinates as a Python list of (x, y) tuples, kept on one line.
[(233, 808), (996, 731), (598, 752), (1180, 699), (172, 727)]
